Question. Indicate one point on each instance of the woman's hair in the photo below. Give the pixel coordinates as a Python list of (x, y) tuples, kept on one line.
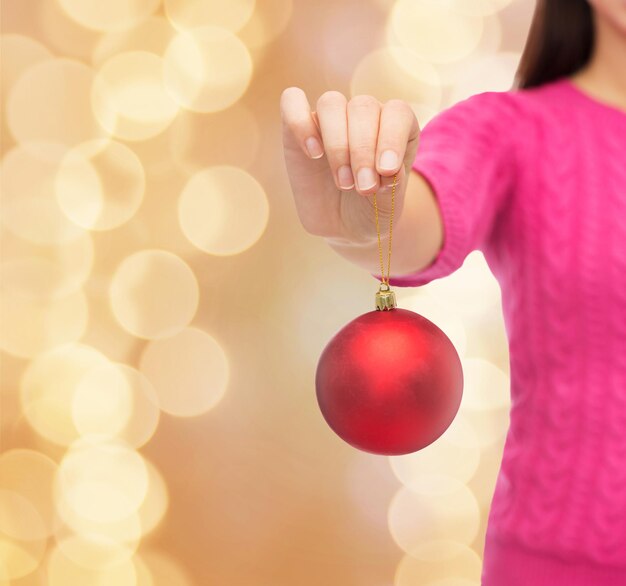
[(559, 43)]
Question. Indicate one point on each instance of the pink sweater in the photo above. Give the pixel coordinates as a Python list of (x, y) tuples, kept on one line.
[(536, 180)]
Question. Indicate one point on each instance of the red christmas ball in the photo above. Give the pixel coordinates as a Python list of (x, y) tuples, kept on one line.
[(389, 382)]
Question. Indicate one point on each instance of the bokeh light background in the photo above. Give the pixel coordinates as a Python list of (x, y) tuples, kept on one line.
[(163, 311)]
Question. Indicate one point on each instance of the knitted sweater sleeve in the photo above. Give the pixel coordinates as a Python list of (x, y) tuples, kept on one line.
[(466, 154)]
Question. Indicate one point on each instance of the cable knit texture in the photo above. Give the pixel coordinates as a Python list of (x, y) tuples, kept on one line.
[(536, 180)]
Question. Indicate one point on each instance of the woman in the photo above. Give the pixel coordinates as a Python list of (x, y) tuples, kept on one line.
[(535, 178)]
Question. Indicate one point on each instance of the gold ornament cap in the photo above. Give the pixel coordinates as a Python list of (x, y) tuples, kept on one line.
[(385, 299)]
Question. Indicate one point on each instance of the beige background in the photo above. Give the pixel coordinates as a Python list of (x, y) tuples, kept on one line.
[(163, 310)]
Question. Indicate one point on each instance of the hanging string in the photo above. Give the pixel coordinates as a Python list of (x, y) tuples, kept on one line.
[(385, 280)]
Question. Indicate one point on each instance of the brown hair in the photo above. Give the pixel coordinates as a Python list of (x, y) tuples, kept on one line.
[(559, 43)]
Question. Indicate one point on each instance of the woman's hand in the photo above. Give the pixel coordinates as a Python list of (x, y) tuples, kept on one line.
[(343, 152)]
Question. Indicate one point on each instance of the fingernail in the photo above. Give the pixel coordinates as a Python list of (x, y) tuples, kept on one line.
[(388, 160), (314, 147), (346, 180), (366, 178)]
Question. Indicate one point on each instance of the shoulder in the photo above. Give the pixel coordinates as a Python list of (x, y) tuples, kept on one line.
[(490, 105), (486, 114), (513, 103), (500, 114), (484, 121)]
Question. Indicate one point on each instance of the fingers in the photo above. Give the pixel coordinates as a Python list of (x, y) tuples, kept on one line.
[(365, 142), (331, 114), (398, 131), (363, 121), (296, 113)]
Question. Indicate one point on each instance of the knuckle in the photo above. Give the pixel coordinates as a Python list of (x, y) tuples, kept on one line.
[(362, 151), (336, 152), (400, 109), (363, 101)]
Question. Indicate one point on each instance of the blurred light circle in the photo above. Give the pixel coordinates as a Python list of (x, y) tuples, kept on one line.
[(18, 517), (19, 53), (489, 6), (154, 294), (94, 551), (102, 401), (186, 14), (30, 474), (126, 532), (145, 411), (455, 454), (490, 43), (392, 71), (269, 19), (62, 571), (207, 69), (34, 578), (60, 32), (440, 314), (29, 206), (486, 386), (155, 504), (20, 553), (47, 389), (18, 559), (32, 326), (442, 550), (50, 102), (436, 31), (129, 98), (486, 400), (415, 517), (484, 481), (45, 272), (104, 332), (100, 184), (102, 480), (190, 372), (109, 15), (153, 36), (439, 563), (470, 291), (493, 73), (223, 210), (490, 426), (491, 40)]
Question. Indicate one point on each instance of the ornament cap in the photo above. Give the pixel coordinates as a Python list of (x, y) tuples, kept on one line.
[(385, 299)]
